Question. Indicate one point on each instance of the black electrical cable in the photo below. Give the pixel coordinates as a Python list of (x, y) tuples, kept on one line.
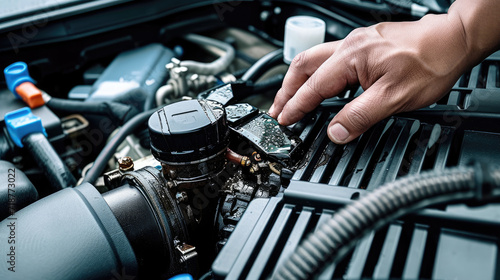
[(340, 233), (105, 155), (262, 65), (118, 113)]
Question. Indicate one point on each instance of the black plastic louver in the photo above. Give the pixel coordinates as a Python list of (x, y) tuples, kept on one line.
[(393, 148)]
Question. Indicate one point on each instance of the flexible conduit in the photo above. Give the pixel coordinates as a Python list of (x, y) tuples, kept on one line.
[(341, 232)]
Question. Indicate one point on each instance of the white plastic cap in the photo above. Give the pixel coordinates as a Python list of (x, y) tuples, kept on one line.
[(302, 33)]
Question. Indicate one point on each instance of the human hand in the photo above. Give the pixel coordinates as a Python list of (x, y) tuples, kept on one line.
[(401, 66)]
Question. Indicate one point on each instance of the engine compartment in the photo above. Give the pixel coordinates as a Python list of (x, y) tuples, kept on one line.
[(155, 156)]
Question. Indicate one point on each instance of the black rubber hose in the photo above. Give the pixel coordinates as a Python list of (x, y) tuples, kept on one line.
[(340, 233), (102, 159), (207, 276), (18, 187), (243, 56), (239, 73), (214, 67), (262, 65), (265, 36), (49, 162), (117, 112), (150, 102), (6, 146), (273, 83)]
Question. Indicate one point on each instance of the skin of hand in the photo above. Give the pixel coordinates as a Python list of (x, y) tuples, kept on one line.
[(402, 66)]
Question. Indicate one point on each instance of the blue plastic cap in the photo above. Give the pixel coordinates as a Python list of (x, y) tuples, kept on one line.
[(16, 74), (21, 123), (184, 276)]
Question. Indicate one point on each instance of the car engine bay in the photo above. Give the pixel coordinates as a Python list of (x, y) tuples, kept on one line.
[(139, 147)]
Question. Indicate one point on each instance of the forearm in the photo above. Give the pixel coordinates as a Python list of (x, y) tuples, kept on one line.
[(481, 24)]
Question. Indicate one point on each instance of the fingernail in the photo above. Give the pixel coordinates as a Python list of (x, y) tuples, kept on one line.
[(279, 117), (271, 110), (338, 133)]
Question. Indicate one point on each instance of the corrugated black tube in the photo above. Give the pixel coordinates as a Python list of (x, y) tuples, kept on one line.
[(391, 201)]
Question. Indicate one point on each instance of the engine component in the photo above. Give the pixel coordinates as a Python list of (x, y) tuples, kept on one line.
[(190, 139), (223, 94), (227, 94), (21, 84), (214, 67), (250, 188), (302, 33), (26, 128), (265, 63), (106, 153), (182, 83), (237, 158), (125, 164), (49, 162), (269, 136), (153, 222), (16, 190), (133, 77), (239, 113), (117, 112), (75, 233)]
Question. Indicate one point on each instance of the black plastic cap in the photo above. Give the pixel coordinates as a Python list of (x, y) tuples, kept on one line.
[(188, 131)]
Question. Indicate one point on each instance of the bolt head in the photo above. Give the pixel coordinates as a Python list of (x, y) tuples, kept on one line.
[(125, 163)]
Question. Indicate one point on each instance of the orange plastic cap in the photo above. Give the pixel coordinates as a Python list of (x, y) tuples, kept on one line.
[(30, 94)]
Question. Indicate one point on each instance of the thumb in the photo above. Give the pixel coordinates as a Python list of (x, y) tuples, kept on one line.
[(360, 114)]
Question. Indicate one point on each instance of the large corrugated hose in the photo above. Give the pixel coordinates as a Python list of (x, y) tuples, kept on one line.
[(340, 233)]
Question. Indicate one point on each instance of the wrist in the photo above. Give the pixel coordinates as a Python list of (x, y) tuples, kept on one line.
[(479, 21), (442, 45)]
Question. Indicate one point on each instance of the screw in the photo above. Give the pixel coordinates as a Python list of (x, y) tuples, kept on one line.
[(126, 164), (172, 173), (181, 196), (170, 184)]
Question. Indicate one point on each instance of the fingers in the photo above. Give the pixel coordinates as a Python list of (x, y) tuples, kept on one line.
[(328, 80), (360, 114), (302, 67)]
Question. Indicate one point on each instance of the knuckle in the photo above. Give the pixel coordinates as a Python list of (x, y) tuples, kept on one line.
[(279, 94), (299, 61), (359, 118), (357, 35)]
